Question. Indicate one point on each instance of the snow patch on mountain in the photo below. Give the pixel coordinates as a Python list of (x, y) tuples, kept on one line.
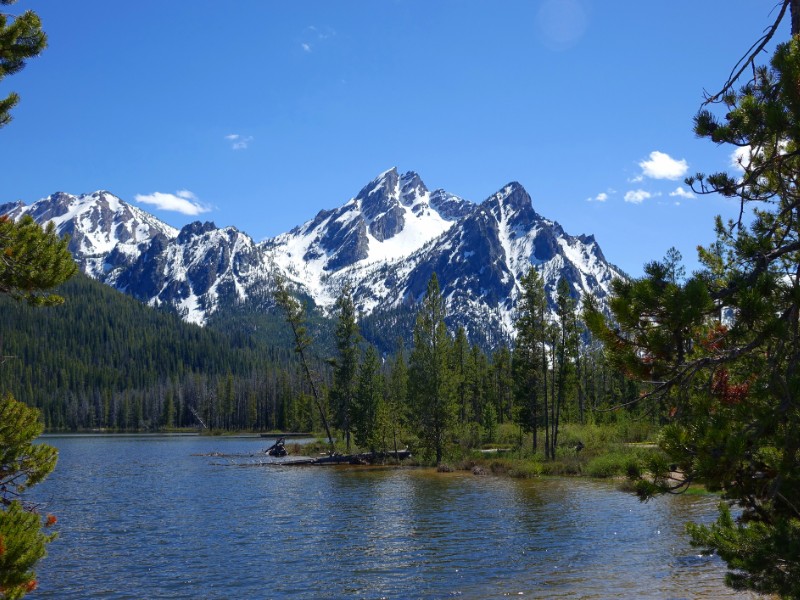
[(385, 242)]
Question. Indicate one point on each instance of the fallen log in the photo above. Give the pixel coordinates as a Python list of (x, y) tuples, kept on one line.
[(365, 458)]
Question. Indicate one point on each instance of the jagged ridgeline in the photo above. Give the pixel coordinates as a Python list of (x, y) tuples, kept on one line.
[(385, 242)]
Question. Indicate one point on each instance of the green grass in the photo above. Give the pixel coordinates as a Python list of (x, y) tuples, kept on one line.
[(609, 450)]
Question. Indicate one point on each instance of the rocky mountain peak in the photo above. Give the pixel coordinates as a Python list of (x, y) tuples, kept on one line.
[(512, 202), (9, 207), (411, 188), (386, 241), (195, 229), (383, 185)]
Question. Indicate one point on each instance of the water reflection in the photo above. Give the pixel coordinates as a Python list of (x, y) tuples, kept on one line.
[(147, 518)]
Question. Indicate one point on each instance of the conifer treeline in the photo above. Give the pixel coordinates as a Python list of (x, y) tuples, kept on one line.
[(447, 390), (104, 361)]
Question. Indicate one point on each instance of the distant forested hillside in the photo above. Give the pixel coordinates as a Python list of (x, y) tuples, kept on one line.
[(104, 360)]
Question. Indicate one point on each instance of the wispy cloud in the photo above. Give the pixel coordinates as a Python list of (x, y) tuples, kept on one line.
[(182, 201), (637, 196), (239, 142), (313, 35), (601, 197), (322, 32), (662, 166), (681, 192)]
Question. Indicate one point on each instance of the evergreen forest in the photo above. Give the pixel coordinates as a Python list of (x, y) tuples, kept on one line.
[(103, 361)]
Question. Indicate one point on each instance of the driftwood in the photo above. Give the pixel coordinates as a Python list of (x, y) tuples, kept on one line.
[(277, 449), (366, 458)]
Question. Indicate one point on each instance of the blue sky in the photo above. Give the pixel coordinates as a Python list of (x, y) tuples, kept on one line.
[(259, 113)]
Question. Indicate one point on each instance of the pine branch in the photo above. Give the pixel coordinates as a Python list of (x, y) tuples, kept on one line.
[(749, 57)]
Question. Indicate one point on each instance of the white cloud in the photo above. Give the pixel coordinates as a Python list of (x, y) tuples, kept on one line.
[(740, 158), (239, 142), (601, 197), (637, 196), (306, 47), (182, 201), (663, 166), (637, 179), (682, 193)]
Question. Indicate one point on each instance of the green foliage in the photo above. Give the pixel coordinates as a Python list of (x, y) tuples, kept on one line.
[(396, 397), (369, 418), (530, 355), (722, 348), (756, 552), (296, 317), (517, 469), (21, 38), (22, 464), (565, 344), (345, 365), (613, 464), (22, 545), (108, 358), (32, 260), (431, 386)]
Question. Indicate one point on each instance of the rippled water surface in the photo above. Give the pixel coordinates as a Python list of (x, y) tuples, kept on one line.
[(146, 517)]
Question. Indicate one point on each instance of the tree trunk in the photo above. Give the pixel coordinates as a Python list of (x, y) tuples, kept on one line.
[(794, 5)]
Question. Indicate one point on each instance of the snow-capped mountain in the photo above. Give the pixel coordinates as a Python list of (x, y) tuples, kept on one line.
[(385, 243), (390, 218), (480, 261), (106, 234)]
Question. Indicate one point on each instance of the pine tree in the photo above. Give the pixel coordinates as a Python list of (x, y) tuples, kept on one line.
[(345, 365), (367, 402), (22, 464), (566, 355), (459, 362), (397, 408), (431, 382), (21, 38), (296, 317), (721, 349), (168, 415), (529, 360), (32, 260)]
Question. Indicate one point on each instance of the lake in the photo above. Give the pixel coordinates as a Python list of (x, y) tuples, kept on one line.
[(156, 517)]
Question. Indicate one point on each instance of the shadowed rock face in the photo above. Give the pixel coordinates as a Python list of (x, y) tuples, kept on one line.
[(479, 253)]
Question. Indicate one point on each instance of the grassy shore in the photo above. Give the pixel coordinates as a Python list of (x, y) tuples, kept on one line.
[(613, 450), (583, 450)]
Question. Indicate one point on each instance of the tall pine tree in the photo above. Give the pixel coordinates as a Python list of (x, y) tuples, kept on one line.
[(530, 361), (345, 364), (431, 382)]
